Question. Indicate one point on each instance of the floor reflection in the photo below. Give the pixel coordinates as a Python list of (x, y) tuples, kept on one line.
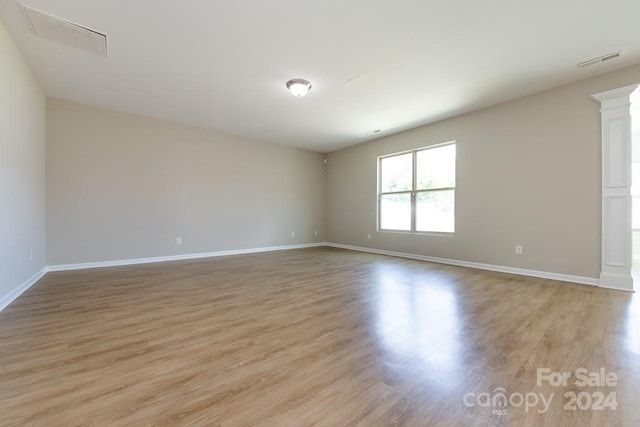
[(417, 319), (632, 325), (632, 320)]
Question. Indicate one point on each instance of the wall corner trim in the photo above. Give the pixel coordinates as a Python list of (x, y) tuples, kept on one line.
[(14, 294), (499, 268)]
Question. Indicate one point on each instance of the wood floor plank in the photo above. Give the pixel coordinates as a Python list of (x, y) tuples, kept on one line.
[(318, 336)]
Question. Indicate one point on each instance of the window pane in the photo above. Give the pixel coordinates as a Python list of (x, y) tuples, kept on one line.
[(396, 173), (435, 211), (395, 212), (436, 167)]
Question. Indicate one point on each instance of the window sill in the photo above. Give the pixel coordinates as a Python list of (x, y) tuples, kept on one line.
[(419, 233)]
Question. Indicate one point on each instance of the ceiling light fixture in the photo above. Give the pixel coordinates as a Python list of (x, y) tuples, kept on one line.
[(298, 87)]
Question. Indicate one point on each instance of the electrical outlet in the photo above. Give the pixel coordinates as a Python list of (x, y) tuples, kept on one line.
[(315, 233), (519, 250), (31, 255), (369, 236), (293, 234), (178, 240)]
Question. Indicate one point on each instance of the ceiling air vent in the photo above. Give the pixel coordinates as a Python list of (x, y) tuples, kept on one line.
[(65, 32), (599, 60)]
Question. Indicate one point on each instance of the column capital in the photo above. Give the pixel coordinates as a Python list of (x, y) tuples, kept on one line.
[(616, 97)]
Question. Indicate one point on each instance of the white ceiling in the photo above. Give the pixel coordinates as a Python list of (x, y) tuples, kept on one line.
[(374, 64)]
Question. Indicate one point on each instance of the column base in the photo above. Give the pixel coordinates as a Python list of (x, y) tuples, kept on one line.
[(620, 282)]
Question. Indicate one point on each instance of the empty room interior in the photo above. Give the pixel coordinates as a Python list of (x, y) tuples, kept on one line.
[(296, 214)]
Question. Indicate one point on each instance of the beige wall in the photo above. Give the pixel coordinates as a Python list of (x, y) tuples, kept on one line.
[(22, 170), (121, 186), (528, 173)]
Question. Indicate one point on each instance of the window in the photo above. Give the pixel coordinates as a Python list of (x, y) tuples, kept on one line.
[(416, 190)]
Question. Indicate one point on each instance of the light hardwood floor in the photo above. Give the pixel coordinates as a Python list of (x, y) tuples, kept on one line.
[(310, 337)]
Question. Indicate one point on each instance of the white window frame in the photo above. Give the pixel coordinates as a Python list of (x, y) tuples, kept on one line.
[(413, 192)]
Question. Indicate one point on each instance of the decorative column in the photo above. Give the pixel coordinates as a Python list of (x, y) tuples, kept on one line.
[(616, 188)]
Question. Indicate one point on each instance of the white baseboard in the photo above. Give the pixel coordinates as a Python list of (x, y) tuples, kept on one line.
[(481, 266), (122, 262), (14, 294)]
